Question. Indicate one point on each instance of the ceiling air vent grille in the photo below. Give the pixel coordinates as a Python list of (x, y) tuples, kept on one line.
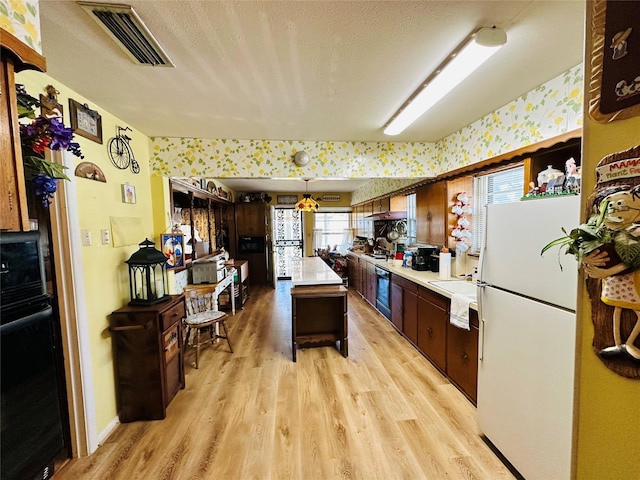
[(123, 25), (331, 198)]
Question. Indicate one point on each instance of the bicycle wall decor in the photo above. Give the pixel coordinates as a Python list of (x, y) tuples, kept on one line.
[(121, 153)]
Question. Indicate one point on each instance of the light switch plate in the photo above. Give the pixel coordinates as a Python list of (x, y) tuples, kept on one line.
[(106, 236), (86, 237)]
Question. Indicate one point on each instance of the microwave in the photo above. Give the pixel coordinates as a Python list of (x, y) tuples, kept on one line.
[(251, 245)]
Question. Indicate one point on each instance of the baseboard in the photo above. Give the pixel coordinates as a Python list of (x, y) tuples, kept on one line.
[(108, 430)]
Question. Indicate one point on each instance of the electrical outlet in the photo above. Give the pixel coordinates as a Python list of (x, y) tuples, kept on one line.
[(86, 237), (106, 236)]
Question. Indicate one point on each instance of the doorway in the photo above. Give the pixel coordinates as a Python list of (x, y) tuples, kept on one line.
[(287, 240)]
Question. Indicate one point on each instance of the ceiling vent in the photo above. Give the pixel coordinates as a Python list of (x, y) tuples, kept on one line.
[(124, 25)]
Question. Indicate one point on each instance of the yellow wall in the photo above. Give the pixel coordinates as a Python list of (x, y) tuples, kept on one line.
[(608, 445), (106, 280)]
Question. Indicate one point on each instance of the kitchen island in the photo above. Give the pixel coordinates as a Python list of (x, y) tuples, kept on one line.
[(318, 306)]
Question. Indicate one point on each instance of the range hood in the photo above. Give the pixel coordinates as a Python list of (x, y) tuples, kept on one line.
[(388, 216)]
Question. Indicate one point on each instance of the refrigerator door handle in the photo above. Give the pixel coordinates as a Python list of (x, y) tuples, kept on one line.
[(481, 285)]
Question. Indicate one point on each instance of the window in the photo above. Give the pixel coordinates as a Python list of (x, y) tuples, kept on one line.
[(332, 229), (500, 187), (411, 219)]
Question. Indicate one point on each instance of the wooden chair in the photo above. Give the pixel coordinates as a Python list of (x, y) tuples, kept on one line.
[(202, 315)]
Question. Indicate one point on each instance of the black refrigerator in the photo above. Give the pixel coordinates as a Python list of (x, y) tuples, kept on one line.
[(31, 433)]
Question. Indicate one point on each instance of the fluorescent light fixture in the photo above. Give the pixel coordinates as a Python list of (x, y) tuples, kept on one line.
[(472, 53)]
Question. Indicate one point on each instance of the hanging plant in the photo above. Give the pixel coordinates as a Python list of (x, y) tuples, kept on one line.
[(35, 138)]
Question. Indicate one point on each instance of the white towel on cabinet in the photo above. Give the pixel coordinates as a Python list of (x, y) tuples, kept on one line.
[(459, 311)]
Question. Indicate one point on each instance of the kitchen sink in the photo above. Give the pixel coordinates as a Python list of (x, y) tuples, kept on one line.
[(457, 286)]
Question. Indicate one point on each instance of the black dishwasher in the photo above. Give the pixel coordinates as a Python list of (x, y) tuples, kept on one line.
[(383, 292)]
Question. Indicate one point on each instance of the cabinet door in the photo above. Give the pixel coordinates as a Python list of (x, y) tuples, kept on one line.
[(371, 284), (397, 306), (352, 271), (251, 219), (432, 332), (431, 213), (462, 357), (13, 205), (173, 362), (410, 317)]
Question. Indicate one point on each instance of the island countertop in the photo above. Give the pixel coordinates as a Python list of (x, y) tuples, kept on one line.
[(312, 271)]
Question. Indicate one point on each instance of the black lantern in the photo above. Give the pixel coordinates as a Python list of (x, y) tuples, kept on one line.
[(147, 275)]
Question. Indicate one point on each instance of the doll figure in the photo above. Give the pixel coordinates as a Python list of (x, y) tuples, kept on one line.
[(620, 279)]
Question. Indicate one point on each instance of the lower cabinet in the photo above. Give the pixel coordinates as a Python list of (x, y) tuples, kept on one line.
[(462, 357), (353, 272), (404, 307), (433, 318), (370, 287), (148, 354)]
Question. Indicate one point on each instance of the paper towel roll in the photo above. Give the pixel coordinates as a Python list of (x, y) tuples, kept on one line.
[(445, 266)]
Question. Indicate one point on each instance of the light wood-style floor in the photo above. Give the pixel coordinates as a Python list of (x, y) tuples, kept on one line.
[(382, 413)]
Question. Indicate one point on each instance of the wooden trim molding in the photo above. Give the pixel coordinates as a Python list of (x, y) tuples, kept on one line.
[(513, 156), (494, 164), (25, 57)]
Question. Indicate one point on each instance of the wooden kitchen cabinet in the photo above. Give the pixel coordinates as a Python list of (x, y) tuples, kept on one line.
[(353, 271), (432, 326), (15, 56), (148, 357), (371, 283), (462, 357), (398, 203), (251, 219), (404, 307), (431, 214), (381, 205)]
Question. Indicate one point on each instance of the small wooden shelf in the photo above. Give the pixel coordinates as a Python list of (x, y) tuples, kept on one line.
[(319, 317)]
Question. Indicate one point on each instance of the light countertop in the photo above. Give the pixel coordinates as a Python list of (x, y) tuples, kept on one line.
[(313, 271), (423, 278)]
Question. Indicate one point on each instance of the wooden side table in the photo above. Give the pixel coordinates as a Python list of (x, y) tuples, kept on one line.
[(319, 317), (148, 353)]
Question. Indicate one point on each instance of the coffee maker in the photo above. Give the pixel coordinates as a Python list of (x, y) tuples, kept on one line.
[(422, 257)]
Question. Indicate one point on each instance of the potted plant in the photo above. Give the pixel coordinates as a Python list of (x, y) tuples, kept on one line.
[(35, 137), (585, 238), (621, 244)]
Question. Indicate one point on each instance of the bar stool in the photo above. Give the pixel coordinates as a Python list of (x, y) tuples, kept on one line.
[(202, 316)]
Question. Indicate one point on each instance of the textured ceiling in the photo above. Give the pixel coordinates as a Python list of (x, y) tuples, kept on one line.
[(307, 70)]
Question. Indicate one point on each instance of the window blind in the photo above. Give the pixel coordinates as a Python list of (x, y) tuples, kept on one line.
[(505, 186)]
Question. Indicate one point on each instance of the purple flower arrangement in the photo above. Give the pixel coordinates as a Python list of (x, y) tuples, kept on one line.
[(40, 134)]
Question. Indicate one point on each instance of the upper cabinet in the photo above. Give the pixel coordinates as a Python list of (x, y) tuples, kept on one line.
[(251, 219), (431, 218), (14, 57), (398, 203), (381, 205)]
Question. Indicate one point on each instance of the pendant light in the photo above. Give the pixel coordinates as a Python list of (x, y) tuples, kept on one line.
[(307, 204)]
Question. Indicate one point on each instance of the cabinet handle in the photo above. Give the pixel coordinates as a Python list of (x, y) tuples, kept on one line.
[(146, 326), (129, 327), (465, 357), (430, 332)]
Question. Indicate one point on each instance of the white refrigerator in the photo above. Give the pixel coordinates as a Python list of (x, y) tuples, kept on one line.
[(528, 336)]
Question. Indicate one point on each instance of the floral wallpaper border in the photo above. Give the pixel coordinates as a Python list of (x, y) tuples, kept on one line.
[(22, 20), (547, 111)]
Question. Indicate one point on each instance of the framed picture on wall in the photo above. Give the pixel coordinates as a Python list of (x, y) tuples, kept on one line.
[(128, 193), (85, 122), (173, 248)]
